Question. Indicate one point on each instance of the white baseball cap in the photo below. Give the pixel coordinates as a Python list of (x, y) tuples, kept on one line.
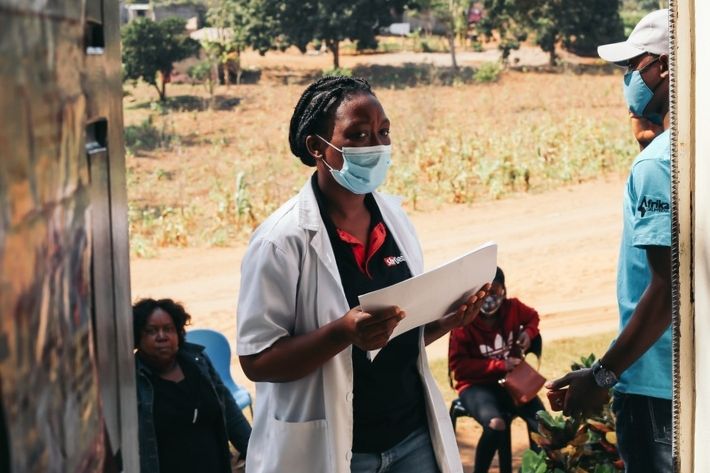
[(649, 36)]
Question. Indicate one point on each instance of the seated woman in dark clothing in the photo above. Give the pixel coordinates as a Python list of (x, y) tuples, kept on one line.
[(480, 354), (186, 414)]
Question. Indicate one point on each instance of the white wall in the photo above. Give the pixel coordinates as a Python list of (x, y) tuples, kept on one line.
[(702, 236)]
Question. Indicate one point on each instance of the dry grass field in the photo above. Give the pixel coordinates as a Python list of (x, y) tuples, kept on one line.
[(204, 177), (498, 160)]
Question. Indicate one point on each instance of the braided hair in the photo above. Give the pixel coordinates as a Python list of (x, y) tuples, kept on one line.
[(316, 106)]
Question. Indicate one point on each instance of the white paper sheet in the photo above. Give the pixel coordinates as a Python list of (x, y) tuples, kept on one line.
[(435, 293)]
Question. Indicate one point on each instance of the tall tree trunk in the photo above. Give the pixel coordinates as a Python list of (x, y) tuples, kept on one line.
[(239, 66), (160, 95), (212, 79), (164, 78), (452, 48), (334, 46), (553, 56)]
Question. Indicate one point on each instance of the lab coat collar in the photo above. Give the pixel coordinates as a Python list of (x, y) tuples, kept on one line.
[(308, 212), (309, 218)]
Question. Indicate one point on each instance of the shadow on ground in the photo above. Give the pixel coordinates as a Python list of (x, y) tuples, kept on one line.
[(191, 103)]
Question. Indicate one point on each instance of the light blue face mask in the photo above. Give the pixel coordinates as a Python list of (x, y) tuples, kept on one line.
[(636, 92), (364, 167)]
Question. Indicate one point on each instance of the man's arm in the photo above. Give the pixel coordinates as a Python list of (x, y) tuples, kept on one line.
[(651, 317), (648, 322)]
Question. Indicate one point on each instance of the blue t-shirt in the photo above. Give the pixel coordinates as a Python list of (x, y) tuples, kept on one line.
[(647, 222)]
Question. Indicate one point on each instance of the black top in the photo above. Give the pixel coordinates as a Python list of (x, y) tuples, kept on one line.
[(187, 417), (388, 397)]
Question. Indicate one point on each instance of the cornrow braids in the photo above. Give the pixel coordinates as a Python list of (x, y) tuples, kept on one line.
[(314, 108)]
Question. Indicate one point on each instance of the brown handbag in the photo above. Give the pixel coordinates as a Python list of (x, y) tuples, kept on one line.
[(523, 383)]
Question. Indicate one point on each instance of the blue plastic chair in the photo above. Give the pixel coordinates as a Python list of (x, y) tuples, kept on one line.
[(217, 348)]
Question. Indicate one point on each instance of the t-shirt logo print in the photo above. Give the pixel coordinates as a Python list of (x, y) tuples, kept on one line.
[(653, 205), (394, 260), (499, 350)]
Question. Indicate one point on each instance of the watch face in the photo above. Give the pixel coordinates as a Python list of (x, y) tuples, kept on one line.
[(604, 378)]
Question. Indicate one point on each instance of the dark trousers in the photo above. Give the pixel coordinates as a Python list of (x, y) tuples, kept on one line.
[(486, 402), (644, 430)]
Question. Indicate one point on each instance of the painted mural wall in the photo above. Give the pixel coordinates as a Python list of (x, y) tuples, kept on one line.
[(59, 100)]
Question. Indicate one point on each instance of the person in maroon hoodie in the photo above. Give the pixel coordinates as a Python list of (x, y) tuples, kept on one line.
[(480, 354)]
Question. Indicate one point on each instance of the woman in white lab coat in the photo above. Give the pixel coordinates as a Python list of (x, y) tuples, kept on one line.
[(321, 406)]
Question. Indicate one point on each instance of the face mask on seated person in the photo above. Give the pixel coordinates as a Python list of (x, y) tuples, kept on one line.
[(364, 167), (491, 304)]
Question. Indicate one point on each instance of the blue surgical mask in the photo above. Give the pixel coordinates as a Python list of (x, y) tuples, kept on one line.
[(636, 92), (364, 167)]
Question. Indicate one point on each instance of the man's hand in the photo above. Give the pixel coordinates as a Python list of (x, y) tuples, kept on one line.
[(644, 130), (585, 397)]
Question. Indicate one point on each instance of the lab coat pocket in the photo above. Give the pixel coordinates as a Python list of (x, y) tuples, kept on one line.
[(297, 447)]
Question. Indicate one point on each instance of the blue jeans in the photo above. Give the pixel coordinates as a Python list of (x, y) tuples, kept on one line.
[(644, 430), (413, 454)]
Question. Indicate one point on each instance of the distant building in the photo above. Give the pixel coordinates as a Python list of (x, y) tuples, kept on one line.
[(136, 10), (425, 21), (192, 13), (215, 35)]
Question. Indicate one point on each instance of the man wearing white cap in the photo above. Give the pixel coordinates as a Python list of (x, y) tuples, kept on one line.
[(638, 364)]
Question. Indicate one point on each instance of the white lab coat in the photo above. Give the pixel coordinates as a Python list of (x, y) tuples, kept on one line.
[(290, 286)]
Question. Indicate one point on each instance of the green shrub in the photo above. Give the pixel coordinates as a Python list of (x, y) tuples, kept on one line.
[(200, 72), (487, 72), (338, 72), (146, 136)]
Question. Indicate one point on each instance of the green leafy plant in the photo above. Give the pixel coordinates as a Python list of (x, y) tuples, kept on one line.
[(487, 72), (584, 362), (202, 72), (338, 72), (575, 445), (535, 462)]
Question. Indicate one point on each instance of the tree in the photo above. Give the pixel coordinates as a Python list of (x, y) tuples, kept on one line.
[(331, 21), (244, 25), (590, 24), (507, 20), (580, 25), (151, 48), (451, 14)]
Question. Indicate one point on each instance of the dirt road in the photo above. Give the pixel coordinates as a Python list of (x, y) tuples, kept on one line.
[(293, 60), (558, 250)]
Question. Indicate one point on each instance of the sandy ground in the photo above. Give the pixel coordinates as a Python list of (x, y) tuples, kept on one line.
[(558, 249)]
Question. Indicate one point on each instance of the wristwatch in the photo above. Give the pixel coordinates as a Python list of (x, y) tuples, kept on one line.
[(604, 378)]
